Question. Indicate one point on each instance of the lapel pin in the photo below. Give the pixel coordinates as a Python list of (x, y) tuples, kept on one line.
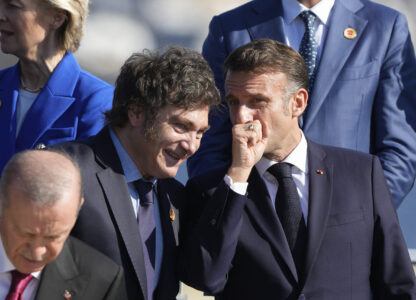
[(350, 33), (172, 214), (67, 295), (320, 172)]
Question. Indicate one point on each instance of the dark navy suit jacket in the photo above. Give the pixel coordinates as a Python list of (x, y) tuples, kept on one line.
[(364, 92), (355, 249), (70, 106), (107, 221)]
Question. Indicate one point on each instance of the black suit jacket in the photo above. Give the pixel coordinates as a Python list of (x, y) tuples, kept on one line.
[(355, 249), (107, 221), (82, 271)]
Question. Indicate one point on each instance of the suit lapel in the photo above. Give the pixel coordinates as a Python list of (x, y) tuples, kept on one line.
[(9, 92), (53, 100), (259, 206), (60, 275), (320, 196), (335, 54), (116, 192), (266, 21), (169, 219)]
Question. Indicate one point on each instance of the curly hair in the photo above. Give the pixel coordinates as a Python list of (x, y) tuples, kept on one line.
[(151, 80), (71, 32)]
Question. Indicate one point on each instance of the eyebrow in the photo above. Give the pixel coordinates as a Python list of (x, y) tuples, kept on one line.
[(188, 123)]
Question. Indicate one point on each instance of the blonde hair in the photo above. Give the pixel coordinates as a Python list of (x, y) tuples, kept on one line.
[(71, 31)]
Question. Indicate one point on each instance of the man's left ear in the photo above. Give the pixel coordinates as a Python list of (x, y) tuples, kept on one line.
[(300, 100), (59, 17)]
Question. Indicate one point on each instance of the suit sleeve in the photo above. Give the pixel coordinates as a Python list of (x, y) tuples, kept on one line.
[(209, 245), (394, 115), (392, 275), (214, 151)]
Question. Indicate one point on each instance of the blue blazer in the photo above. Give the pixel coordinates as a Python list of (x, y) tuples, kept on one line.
[(364, 90), (355, 248), (70, 106)]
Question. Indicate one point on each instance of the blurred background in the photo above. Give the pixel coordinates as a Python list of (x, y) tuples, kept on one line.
[(115, 29)]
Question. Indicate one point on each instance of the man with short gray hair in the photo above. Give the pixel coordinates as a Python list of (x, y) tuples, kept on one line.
[(40, 197)]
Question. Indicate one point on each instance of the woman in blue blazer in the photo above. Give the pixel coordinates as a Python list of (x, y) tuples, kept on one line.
[(46, 97)]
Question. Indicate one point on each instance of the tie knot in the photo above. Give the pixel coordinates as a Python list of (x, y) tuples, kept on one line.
[(308, 18), (281, 170), (18, 285), (145, 190), (18, 276)]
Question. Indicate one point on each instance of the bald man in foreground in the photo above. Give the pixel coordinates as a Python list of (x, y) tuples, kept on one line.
[(40, 197)]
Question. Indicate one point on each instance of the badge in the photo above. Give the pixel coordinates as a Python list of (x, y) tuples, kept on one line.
[(350, 33), (172, 214)]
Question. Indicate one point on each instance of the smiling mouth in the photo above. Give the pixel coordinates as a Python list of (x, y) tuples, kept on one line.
[(174, 156)]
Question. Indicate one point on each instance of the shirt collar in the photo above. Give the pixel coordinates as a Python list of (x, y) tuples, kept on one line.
[(292, 8), (297, 158), (129, 167), (7, 266)]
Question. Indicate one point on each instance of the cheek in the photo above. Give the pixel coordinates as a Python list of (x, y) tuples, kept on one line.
[(53, 249)]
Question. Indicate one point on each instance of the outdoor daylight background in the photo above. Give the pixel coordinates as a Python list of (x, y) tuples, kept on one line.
[(115, 29)]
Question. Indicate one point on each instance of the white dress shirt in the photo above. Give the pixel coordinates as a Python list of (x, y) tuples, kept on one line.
[(6, 277), (295, 28), (298, 158)]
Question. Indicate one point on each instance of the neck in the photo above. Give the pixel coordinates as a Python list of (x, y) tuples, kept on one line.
[(309, 3), (282, 151), (36, 70), (125, 139)]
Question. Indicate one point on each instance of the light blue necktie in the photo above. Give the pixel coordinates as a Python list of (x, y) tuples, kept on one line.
[(308, 47)]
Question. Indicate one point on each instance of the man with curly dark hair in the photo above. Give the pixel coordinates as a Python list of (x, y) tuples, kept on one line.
[(132, 203)]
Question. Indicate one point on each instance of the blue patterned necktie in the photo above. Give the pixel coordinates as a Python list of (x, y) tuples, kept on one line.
[(308, 47), (147, 229), (289, 211)]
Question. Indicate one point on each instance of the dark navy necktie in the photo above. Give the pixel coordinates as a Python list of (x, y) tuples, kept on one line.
[(147, 229), (289, 211), (308, 47)]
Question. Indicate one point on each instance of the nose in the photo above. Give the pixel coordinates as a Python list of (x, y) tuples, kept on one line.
[(36, 251), (191, 143), (243, 114)]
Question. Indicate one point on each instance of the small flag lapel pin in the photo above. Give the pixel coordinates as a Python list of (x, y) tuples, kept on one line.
[(172, 214), (67, 295), (320, 172)]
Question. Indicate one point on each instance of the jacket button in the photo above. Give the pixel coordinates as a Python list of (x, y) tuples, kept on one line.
[(213, 222), (40, 146)]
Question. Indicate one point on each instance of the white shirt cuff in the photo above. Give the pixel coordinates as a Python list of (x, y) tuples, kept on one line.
[(237, 187)]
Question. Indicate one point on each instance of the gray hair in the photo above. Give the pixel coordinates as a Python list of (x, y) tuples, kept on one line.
[(43, 176)]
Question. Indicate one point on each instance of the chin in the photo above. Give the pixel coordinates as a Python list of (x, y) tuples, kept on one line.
[(167, 173)]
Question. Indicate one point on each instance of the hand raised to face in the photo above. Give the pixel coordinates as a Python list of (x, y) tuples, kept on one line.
[(249, 142)]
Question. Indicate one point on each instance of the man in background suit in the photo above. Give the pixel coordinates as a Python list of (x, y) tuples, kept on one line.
[(364, 79), (160, 112), (314, 222), (40, 196)]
